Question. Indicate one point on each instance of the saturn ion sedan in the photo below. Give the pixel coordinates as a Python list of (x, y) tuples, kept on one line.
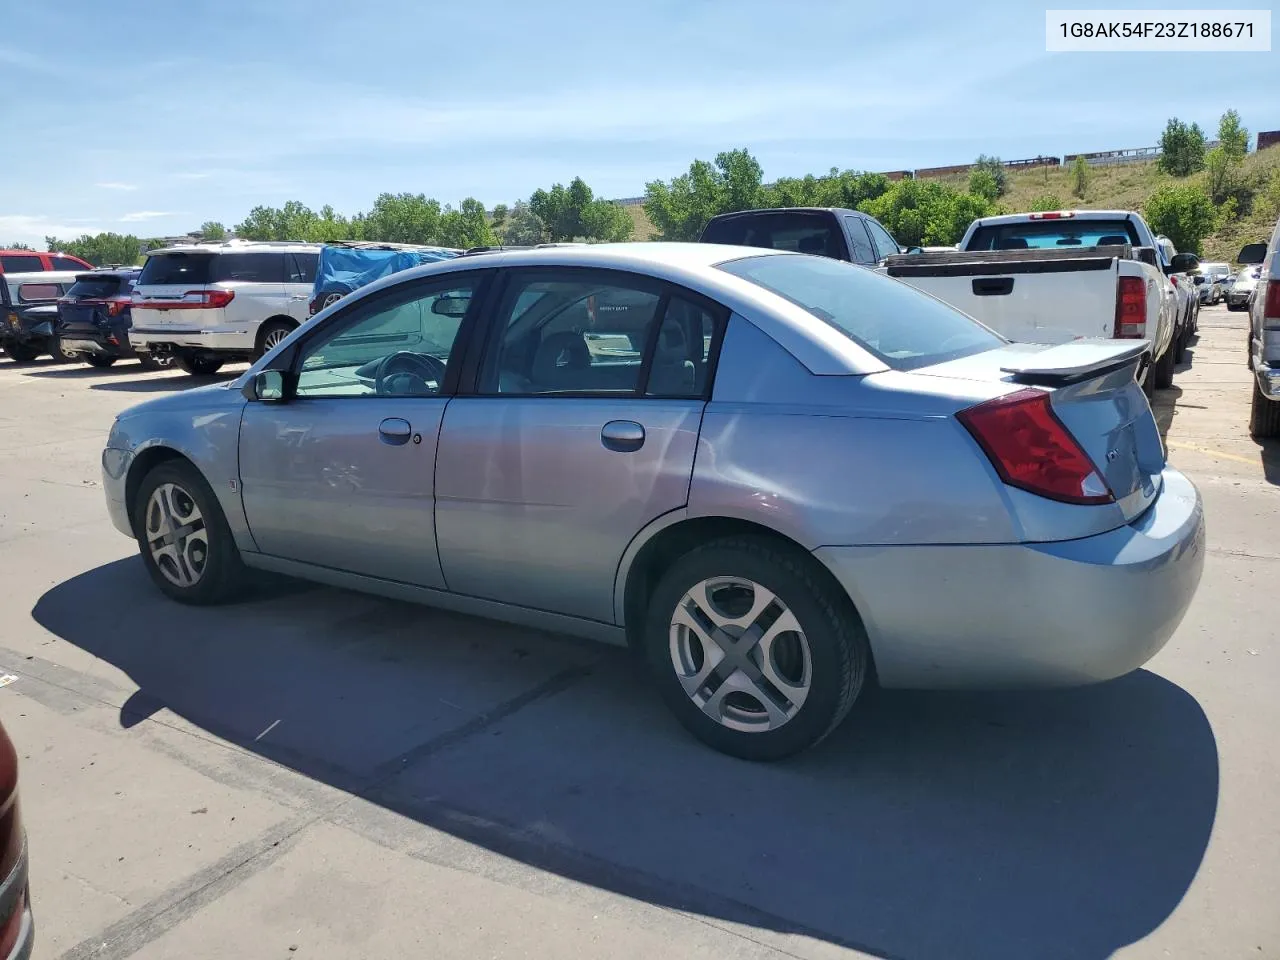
[(778, 478)]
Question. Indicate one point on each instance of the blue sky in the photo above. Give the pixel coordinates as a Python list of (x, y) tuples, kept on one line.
[(155, 117)]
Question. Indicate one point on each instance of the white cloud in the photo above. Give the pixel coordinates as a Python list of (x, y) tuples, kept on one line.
[(193, 175), (115, 185), (31, 230), (142, 215)]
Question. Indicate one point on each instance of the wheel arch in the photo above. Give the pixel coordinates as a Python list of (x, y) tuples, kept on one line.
[(144, 461)]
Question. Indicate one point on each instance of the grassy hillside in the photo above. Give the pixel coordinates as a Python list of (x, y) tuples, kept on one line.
[(1122, 187)]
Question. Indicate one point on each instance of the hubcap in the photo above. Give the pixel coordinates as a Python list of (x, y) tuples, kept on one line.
[(740, 654), (176, 535), (273, 337), (330, 300)]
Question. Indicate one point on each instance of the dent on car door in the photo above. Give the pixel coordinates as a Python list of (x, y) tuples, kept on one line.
[(582, 429), (340, 472)]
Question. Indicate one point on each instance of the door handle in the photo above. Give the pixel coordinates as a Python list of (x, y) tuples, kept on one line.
[(993, 287), (395, 431), (622, 436)]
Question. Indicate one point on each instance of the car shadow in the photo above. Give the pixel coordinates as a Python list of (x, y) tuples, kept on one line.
[(82, 371), (169, 384), (1269, 450), (1164, 406), (1061, 824)]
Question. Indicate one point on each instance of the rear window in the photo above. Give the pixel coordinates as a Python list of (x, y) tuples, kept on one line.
[(97, 288), (33, 292), (177, 268), (1048, 234), (796, 232), (20, 263), (897, 323)]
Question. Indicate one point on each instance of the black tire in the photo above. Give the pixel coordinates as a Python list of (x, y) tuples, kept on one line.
[(1264, 415), (1162, 373), (199, 366), (21, 352), (839, 655), (1180, 347), (220, 572), (151, 361), (59, 355), (270, 333), (100, 361)]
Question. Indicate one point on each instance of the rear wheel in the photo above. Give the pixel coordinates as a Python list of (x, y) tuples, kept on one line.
[(99, 360), (1264, 414), (199, 366), (272, 333), (183, 536), (1162, 372), (21, 352), (755, 652), (58, 354), (1180, 347)]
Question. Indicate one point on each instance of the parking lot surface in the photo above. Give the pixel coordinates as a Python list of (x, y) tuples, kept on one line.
[(318, 774)]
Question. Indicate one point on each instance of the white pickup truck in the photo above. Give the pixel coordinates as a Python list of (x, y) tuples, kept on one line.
[(1061, 276)]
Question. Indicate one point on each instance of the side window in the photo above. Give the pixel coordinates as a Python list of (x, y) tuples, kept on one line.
[(22, 263), (252, 267), (885, 244), (682, 355), (571, 332), (63, 263), (863, 252), (397, 345), (302, 267)]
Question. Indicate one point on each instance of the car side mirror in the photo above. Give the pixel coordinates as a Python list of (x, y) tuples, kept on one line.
[(1251, 253), (914, 250), (1184, 263), (268, 386)]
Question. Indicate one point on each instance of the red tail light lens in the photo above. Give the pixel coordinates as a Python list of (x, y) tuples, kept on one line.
[(1131, 309), (1052, 215), (118, 305), (1032, 450), (191, 300), (211, 298), (1271, 308)]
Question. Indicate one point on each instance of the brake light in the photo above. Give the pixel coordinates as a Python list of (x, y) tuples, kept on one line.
[(1271, 306), (1054, 215), (1032, 450), (118, 305), (1131, 309)]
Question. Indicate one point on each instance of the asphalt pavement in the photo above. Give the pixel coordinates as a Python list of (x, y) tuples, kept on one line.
[(317, 774)]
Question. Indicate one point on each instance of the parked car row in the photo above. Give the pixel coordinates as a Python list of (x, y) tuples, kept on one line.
[(1263, 303)]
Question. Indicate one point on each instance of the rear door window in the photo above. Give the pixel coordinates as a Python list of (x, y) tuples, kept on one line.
[(22, 263), (863, 252), (253, 267), (302, 267), (886, 246), (798, 232), (177, 268)]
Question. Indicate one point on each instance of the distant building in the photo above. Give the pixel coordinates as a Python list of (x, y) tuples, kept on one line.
[(1268, 138)]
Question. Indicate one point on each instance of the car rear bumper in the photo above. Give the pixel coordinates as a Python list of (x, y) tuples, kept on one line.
[(228, 340), (1036, 614), (17, 931), (1268, 381), (91, 345)]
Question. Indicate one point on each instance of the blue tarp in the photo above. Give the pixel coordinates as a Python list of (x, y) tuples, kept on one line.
[(344, 269)]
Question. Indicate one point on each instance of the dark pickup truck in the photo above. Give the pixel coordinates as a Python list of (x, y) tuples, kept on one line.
[(824, 231)]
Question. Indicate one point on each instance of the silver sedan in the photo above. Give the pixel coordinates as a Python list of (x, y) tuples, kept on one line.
[(779, 478)]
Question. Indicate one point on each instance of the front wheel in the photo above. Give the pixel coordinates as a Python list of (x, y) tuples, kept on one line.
[(199, 366), (183, 536), (755, 652)]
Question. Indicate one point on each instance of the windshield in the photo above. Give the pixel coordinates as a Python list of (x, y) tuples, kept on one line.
[(1048, 234), (905, 328), (176, 268)]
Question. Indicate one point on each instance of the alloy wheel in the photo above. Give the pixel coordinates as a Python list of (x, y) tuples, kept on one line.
[(740, 654), (274, 337), (176, 535)]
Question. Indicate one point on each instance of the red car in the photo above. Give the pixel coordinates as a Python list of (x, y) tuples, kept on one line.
[(16, 928), (34, 261)]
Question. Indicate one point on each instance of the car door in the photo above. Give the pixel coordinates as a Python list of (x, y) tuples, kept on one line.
[(580, 430), (339, 472), (301, 267)]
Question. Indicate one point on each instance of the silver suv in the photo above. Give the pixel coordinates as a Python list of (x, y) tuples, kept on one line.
[(210, 303), (1264, 335)]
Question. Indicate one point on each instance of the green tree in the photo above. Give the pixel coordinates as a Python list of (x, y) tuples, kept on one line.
[(402, 218), (999, 173), (17, 246), (1079, 177), (1182, 148), (1046, 202), (983, 184), (523, 227), (1232, 136), (212, 230), (1222, 175), (466, 227), (681, 207), (919, 212), (100, 248), (1183, 213), (574, 211), (500, 214)]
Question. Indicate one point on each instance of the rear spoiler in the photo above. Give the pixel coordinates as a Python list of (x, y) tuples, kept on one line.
[(962, 263), (1076, 361)]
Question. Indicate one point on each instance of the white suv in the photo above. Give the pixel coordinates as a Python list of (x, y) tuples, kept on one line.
[(210, 303)]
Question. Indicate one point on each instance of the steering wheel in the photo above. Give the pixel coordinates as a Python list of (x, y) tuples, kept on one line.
[(405, 373)]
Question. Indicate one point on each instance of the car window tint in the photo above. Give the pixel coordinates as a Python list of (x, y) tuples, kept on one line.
[(29, 292), (863, 252), (815, 233), (251, 267), (1063, 232), (302, 267), (22, 263), (905, 328), (97, 287), (420, 325), (177, 268), (583, 333), (65, 263), (885, 244), (682, 353)]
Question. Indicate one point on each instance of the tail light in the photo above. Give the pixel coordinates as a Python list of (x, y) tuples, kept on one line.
[(1032, 450), (1053, 215), (1271, 306), (191, 300), (1131, 309), (118, 305)]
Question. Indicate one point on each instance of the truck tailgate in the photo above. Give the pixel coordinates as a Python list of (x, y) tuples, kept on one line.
[(1032, 296)]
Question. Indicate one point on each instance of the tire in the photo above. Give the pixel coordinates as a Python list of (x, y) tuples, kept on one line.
[(58, 354), (827, 659), (1179, 348), (151, 361), (99, 361), (199, 366), (193, 569), (1162, 372), (271, 333), (1264, 415), (21, 352)]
